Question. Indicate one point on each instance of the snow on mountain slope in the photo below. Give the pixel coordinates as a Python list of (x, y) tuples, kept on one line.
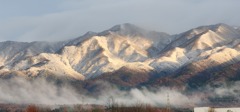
[(90, 56), (218, 30), (127, 49), (12, 52), (75, 41), (158, 40), (46, 63), (225, 56), (203, 71), (196, 45), (123, 46), (9, 49), (226, 31), (169, 61)]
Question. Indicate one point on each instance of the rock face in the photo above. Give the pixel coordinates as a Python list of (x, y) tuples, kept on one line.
[(126, 49)]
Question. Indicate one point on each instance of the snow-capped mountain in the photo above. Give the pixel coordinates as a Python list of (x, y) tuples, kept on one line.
[(11, 52), (208, 43), (123, 46)]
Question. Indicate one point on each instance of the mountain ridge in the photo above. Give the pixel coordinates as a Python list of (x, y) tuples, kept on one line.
[(122, 46)]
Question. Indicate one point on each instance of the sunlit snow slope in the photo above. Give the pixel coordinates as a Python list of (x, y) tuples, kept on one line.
[(122, 46)]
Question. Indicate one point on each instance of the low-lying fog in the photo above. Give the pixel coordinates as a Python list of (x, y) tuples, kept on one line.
[(40, 91)]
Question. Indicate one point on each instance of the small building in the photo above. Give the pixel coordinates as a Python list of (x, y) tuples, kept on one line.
[(210, 109)]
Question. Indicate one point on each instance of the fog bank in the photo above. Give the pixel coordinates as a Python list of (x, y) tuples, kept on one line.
[(40, 91)]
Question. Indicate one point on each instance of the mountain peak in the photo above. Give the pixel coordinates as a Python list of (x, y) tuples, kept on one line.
[(125, 29), (220, 25), (125, 26)]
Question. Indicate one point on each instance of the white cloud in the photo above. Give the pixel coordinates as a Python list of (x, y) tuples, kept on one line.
[(40, 91)]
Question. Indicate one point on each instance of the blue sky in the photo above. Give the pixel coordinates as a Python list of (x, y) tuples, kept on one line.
[(55, 20)]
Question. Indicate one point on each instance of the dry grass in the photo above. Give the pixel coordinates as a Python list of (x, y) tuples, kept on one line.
[(113, 107)]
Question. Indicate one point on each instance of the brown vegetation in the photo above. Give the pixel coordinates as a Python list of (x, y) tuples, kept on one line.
[(111, 107), (32, 108)]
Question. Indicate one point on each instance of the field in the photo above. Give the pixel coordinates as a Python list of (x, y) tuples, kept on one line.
[(86, 108)]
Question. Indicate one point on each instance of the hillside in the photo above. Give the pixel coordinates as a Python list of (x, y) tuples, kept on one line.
[(129, 56)]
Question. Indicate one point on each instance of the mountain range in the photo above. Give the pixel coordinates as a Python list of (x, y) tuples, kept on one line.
[(131, 56)]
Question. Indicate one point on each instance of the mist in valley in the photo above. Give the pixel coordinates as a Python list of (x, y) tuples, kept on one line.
[(41, 91)]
